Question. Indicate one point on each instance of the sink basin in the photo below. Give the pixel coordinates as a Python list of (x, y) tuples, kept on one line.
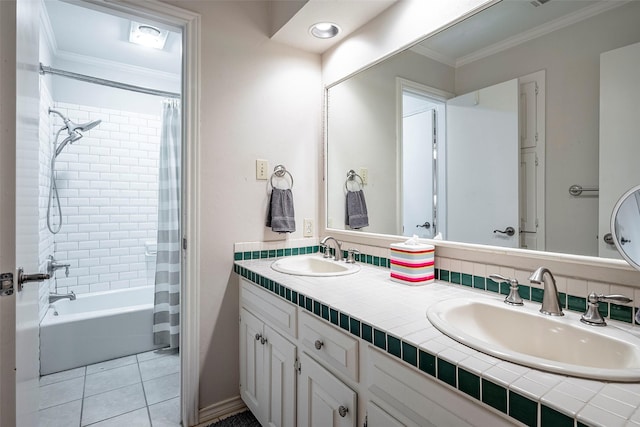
[(525, 336), (309, 265)]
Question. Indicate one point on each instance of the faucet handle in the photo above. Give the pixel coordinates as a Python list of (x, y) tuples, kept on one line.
[(592, 316), (350, 254), (514, 297)]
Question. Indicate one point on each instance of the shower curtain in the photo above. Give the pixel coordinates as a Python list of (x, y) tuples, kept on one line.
[(166, 313)]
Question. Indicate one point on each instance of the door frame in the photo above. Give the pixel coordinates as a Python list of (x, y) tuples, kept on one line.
[(190, 24)]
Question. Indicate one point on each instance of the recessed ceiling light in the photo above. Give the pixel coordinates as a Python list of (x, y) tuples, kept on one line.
[(147, 35), (324, 30)]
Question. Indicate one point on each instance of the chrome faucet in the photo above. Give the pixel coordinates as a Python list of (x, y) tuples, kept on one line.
[(56, 297), (550, 300), (53, 265), (514, 297), (338, 245), (592, 316)]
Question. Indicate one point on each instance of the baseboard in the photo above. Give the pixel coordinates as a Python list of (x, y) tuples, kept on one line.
[(220, 410)]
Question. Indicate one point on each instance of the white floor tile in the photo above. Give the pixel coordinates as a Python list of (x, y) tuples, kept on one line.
[(154, 354), (112, 403), (159, 367), (111, 379), (165, 414), (65, 415), (111, 364), (138, 418), (62, 376), (163, 388), (61, 392)]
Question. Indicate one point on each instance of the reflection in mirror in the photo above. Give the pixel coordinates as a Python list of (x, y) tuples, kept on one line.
[(512, 106), (625, 226)]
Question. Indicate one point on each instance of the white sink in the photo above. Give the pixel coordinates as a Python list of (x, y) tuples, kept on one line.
[(525, 336), (313, 265)]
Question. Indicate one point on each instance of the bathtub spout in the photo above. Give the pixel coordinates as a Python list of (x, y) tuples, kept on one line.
[(56, 297)]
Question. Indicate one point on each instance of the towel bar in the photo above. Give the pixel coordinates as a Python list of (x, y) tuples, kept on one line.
[(351, 176), (280, 171)]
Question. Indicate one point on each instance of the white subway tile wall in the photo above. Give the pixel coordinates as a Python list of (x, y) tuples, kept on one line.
[(108, 186), (46, 242)]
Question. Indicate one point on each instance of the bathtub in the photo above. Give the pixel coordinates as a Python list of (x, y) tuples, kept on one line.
[(96, 327)]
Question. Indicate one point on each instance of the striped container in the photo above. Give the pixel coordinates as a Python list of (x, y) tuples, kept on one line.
[(412, 264)]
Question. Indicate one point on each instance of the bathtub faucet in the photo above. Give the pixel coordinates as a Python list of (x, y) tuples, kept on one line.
[(53, 265), (55, 297)]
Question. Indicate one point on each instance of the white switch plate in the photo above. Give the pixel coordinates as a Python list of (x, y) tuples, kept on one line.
[(261, 169), (307, 230), (364, 174)]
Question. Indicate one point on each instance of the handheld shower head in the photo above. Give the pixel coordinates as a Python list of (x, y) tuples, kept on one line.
[(83, 127), (73, 137)]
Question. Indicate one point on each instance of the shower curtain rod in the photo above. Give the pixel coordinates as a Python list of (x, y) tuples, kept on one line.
[(90, 79)]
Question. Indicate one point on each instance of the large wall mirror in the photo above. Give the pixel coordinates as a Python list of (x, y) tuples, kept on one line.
[(517, 127)]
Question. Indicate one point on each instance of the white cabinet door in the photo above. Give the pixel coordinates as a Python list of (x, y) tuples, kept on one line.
[(280, 357), (324, 400), (251, 362), (376, 417)]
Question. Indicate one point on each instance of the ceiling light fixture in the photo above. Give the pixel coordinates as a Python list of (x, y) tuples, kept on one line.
[(324, 30), (147, 35)]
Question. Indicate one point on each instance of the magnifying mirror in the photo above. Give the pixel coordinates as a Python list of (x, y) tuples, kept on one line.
[(625, 226)]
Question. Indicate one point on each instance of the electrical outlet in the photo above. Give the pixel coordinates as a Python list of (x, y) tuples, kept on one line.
[(261, 169), (307, 229), (364, 174)]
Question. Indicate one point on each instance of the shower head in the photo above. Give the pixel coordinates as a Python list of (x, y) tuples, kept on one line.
[(73, 127), (73, 137)]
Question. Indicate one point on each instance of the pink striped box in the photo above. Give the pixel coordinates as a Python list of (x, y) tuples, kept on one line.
[(412, 264)]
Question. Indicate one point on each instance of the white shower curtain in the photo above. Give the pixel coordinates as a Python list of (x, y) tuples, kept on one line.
[(166, 313)]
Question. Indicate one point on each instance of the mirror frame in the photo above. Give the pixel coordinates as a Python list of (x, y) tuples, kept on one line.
[(581, 266), (615, 236)]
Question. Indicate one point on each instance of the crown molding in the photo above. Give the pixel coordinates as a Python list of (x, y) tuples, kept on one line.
[(435, 55), (540, 31), (47, 28)]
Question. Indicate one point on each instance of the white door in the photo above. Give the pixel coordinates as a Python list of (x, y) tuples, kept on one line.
[(619, 130), (483, 166), (20, 350), (324, 400), (280, 377), (251, 362), (417, 173)]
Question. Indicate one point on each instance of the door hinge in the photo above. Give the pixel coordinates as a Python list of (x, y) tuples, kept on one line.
[(6, 284), (537, 89), (536, 159), (184, 243), (297, 366)]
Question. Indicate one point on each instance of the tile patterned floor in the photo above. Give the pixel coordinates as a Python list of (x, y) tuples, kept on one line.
[(134, 391)]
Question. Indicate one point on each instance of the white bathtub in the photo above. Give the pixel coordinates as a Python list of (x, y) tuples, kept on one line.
[(96, 327)]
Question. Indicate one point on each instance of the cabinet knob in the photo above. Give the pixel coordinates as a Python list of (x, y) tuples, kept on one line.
[(263, 340), (342, 410), (258, 336), (318, 344)]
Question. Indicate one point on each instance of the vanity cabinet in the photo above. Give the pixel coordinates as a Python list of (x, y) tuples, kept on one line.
[(324, 400), (377, 417), (267, 358)]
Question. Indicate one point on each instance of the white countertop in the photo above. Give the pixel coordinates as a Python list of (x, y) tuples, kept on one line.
[(400, 311)]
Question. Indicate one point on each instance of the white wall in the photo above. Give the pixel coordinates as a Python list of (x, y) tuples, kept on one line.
[(259, 100), (571, 58)]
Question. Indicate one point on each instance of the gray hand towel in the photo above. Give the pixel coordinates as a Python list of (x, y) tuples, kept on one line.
[(281, 217), (357, 216)]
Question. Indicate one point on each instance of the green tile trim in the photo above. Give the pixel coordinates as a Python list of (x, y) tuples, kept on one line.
[(410, 354), (444, 275), (523, 409), (427, 362), (354, 326), (467, 279), (536, 294), (316, 308), (367, 333), (447, 372), (479, 282), (325, 312), (622, 313), (393, 346), (237, 256), (551, 418), (344, 321), (469, 383), (308, 304), (333, 314), (456, 278), (492, 286), (380, 339), (494, 395), (576, 303), (524, 291)]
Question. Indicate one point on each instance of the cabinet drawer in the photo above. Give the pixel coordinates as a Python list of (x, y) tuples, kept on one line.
[(328, 344), (275, 311)]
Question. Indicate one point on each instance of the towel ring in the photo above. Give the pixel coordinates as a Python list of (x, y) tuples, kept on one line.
[(352, 176), (280, 171)]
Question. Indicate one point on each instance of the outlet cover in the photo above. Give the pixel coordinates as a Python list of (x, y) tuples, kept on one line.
[(307, 229), (364, 174), (261, 169)]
